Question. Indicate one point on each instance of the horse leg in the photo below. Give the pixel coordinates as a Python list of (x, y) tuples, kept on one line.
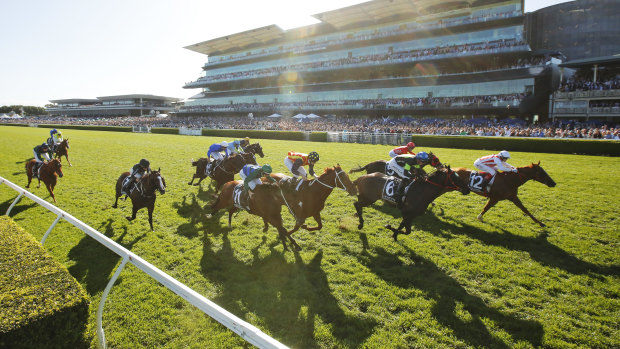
[(134, 210), (317, 218), (116, 201), (517, 202), (266, 227), (231, 211), (360, 213), (282, 234), (405, 223), (39, 184), (192, 181), (29, 174), (150, 210), (69, 162), (490, 203), (50, 189)]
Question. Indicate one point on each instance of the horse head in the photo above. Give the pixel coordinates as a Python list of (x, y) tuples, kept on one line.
[(56, 166), (65, 143), (456, 180), (340, 178), (449, 179), (538, 174), (156, 182), (433, 160), (255, 149)]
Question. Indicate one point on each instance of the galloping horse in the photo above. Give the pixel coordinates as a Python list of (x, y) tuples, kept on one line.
[(47, 174), (506, 186), (309, 201), (224, 174), (382, 167), (419, 195), (258, 203), (62, 149), (143, 193)]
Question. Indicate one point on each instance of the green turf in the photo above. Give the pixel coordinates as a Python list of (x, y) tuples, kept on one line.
[(454, 282)]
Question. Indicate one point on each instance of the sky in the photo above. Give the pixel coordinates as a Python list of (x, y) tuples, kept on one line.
[(86, 49)]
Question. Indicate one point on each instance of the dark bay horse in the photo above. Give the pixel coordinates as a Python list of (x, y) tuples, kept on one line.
[(381, 166), (309, 201), (506, 186), (419, 195), (62, 150), (263, 202), (143, 194), (47, 174), (227, 172)]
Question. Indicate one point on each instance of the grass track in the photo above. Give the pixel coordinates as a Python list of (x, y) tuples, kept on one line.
[(454, 282)]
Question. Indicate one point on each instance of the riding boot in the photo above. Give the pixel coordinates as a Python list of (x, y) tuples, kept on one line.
[(400, 193), (485, 182), (35, 169), (125, 188)]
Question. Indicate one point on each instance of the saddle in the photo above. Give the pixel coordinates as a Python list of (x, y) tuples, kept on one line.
[(475, 181), (124, 185), (390, 189), (295, 183), (241, 198)]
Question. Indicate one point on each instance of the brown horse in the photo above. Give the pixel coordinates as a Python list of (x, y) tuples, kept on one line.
[(258, 203), (227, 173), (62, 150), (143, 193), (382, 167), (506, 186), (309, 200), (47, 174), (419, 195)]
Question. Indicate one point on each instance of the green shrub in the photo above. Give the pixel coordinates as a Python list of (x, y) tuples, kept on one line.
[(318, 137), (41, 304), (90, 127), (165, 130), (535, 145), (18, 125)]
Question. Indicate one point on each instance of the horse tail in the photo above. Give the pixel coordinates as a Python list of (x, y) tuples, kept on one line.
[(358, 169)]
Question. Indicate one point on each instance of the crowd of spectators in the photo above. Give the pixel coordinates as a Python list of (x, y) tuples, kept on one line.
[(580, 83), (391, 57), (486, 127)]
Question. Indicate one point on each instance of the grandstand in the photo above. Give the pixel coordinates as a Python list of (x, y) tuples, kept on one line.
[(121, 105), (382, 57)]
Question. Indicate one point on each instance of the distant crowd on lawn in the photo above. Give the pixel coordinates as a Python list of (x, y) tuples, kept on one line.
[(486, 127)]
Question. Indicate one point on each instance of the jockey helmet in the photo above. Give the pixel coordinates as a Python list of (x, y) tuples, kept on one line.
[(44, 145), (410, 145), (313, 156), (422, 156), (504, 154), (224, 144), (266, 168), (59, 133), (247, 140), (145, 163)]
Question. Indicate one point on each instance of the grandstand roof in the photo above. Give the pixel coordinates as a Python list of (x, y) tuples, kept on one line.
[(615, 59), (372, 11), (76, 100)]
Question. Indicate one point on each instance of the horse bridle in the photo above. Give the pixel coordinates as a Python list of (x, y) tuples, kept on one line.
[(141, 187), (453, 185), (336, 180)]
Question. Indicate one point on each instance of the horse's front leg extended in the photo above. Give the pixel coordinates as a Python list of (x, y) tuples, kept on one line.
[(490, 203), (134, 210), (50, 189), (69, 162), (317, 218), (405, 223), (517, 202)]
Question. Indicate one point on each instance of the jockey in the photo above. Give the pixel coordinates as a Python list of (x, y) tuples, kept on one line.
[(42, 154), (295, 162), (215, 151), (408, 167), (251, 175), (235, 147), (492, 163), (137, 171), (405, 149), (56, 139)]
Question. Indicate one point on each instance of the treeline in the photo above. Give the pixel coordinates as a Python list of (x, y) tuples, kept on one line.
[(27, 110)]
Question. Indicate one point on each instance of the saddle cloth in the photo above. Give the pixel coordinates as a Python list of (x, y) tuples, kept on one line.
[(133, 187), (475, 181), (389, 189), (241, 198)]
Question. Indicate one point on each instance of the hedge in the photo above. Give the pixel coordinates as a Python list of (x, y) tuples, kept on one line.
[(41, 304), (90, 127), (165, 130), (19, 125), (318, 137), (535, 145)]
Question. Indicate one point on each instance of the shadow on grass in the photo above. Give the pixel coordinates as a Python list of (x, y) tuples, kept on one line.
[(93, 262), (538, 247), (195, 211), (287, 297), (18, 208), (424, 275)]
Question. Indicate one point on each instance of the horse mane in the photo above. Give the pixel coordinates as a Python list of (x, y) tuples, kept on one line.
[(267, 187)]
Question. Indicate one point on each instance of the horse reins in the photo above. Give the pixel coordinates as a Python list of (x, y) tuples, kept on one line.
[(336, 180), (454, 187)]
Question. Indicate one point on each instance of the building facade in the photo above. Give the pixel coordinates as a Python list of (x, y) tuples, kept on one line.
[(122, 105), (382, 57)]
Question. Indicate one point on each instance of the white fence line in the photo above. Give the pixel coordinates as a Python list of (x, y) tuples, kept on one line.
[(247, 331)]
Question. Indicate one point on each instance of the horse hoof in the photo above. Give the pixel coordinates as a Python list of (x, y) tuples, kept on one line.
[(480, 219), (114, 206), (360, 226), (543, 225), (196, 184), (129, 218), (388, 226)]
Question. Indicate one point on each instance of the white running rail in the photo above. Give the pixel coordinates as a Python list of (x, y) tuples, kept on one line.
[(248, 332)]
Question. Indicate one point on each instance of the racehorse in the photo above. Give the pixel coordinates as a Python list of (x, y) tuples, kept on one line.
[(309, 200), (143, 193), (62, 149), (47, 174), (382, 166), (417, 198), (263, 202), (224, 174), (506, 186)]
